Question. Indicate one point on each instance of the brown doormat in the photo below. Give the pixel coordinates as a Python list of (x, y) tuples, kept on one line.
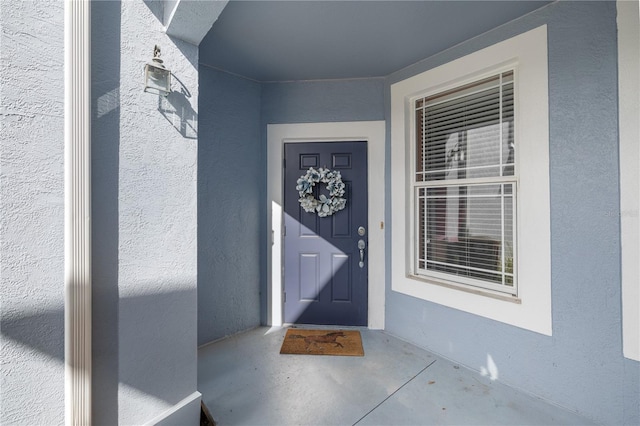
[(322, 342)]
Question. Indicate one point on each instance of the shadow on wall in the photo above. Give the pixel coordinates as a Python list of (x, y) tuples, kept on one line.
[(186, 49), (156, 345), (177, 109), (176, 106), (38, 330), (231, 204), (157, 8), (157, 341), (105, 168)]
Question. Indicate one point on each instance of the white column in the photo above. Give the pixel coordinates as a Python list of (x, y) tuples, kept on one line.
[(629, 110), (77, 133)]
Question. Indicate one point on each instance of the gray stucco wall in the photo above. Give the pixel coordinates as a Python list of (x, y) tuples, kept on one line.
[(144, 210), (145, 223), (105, 146), (145, 220), (230, 171), (581, 366), (322, 101), (32, 213), (232, 229)]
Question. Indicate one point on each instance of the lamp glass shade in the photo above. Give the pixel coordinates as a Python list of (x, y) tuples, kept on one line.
[(157, 79)]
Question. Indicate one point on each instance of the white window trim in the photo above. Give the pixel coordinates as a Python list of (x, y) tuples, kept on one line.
[(373, 132), (628, 71), (532, 310)]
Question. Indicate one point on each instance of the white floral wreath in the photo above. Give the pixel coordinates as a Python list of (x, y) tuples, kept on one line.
[(325, 206)]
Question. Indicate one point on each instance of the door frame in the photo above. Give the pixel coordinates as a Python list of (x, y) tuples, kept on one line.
[(373, 132)]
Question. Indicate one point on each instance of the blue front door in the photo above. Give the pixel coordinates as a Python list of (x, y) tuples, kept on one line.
[(325, 271)]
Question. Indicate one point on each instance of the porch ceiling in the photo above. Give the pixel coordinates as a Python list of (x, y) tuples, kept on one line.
[(309, 40)]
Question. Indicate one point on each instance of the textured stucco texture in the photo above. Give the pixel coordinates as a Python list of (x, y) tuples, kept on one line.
[(157, 222), (179, 220), (232, 229), (145, 225), (32, 213), (580, 366), (145, 230), (230, 167)]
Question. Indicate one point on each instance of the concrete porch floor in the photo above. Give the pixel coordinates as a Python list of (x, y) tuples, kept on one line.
[(245, 381)]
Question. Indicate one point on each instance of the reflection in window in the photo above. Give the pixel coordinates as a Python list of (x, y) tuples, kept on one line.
[(465, 184)]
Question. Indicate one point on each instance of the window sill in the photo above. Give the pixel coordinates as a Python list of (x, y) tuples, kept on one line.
[(467, 289)]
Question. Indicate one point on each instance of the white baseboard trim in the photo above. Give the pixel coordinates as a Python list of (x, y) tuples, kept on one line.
[(184, 413)]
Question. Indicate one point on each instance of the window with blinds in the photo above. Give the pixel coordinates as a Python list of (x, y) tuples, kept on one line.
[(465, 185)]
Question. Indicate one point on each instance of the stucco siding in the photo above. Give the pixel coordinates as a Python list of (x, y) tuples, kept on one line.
[(32, 212), (230, 175), (320, 101), (580, 366), (145, 227), (323, 101)]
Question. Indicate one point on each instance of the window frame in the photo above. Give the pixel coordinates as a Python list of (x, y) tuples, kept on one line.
[(531, 308), (445, 278)]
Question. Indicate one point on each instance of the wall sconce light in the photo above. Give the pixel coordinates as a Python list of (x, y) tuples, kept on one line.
[(157, 79)]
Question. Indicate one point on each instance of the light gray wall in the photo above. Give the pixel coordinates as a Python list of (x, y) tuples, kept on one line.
[(322, 101), (105, 146), (232, 228), (32, 212), (581, 366), (230, 173), (145, 223), (144, 182), (144, 210), (313, 102)]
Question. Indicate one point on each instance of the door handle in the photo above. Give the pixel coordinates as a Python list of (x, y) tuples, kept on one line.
[(361, 246)]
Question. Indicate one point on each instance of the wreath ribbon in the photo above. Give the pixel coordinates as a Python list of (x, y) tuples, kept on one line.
[(324, 206)]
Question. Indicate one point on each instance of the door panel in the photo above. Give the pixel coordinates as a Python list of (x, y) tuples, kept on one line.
[(341, 278), (341, 223), (309, 277), (323, 281)]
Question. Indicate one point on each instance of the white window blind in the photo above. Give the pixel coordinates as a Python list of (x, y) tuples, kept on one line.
[(465, 184)]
